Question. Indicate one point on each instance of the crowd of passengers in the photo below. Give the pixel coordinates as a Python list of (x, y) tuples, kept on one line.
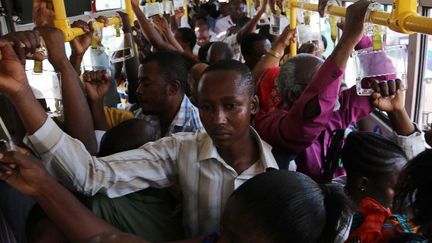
[(225, 138)]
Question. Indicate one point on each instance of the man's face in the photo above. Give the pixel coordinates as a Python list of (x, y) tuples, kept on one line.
[(224, 107), (238, 10), (152, 89), (203, 36)]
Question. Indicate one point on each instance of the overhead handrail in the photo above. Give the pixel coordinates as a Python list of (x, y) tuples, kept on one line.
[(62, 22), (403, 18)]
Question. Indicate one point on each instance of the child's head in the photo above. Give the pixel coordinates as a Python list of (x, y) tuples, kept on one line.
[(283, 206), (373, 164), (130, 134), (414, 191)]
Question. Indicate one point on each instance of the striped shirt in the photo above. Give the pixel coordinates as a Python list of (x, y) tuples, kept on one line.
[(186, 120), (190, 160)]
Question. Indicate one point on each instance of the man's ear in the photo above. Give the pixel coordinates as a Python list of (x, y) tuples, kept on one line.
[(254, 105), (173, 87)]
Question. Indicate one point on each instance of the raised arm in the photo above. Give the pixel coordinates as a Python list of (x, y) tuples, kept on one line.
[(73, 218), (296, 128), (77, 116), (273, 57), (149, 30), (163, 26), (97, 85), (250, 26), (80, 44)]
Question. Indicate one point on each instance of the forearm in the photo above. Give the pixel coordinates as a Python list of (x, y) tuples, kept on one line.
[(401, 122), (249, 27), (75, 220), (29, 109), (268, 61), (99, 119), (152, 34), (76, 60), (343, 50), (171, 39), (131, 69), (77, 116)]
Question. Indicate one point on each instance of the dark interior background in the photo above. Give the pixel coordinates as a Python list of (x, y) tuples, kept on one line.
[(23, 8)]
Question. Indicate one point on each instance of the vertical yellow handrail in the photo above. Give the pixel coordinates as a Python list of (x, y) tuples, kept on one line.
[(293, 25)]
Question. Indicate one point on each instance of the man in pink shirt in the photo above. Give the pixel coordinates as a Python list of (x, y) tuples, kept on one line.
[(314, 106)]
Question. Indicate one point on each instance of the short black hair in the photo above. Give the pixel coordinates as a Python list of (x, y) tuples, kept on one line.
[(245, 81), (188, 36), (247, 44), (172, 66)]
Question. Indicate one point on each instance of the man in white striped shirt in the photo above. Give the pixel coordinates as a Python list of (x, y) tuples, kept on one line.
[(207, 165)]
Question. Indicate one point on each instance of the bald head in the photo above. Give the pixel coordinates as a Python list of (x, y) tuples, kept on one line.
[(219, 51)]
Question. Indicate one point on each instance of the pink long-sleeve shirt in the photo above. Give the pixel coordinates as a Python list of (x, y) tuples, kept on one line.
[(287, 127)]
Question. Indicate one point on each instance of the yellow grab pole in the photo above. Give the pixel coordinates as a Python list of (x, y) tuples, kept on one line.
[(402, 9), (129, 11), (61, 21), (293, 25), (185, 9)]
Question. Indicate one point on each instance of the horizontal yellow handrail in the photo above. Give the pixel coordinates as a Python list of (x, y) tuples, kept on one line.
[(403, 18), (408, 24), (62, 22)]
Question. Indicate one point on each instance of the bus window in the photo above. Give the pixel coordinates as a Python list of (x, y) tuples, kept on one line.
[(102, 5), (425, 101)]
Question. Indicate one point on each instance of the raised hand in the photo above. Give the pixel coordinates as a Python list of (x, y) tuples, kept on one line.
[(161, 23), (81, 43), (354, 21), (388, 96), (262, 7), (43, 13), (54, 40), (321, 7), (96, 84), (24, 43), (127, 28), (287, 37), (23, 172), (12, 73)]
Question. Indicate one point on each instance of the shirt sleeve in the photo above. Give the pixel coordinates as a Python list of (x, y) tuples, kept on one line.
[(115, 116), (152, 165), (287, 128), (413, 144), (353, 107)]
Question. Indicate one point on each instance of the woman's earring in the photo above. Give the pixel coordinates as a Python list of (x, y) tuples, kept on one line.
[(362, 189)]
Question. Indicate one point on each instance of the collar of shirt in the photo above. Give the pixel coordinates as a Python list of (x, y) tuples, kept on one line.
[(266, 159), (186, 120)]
